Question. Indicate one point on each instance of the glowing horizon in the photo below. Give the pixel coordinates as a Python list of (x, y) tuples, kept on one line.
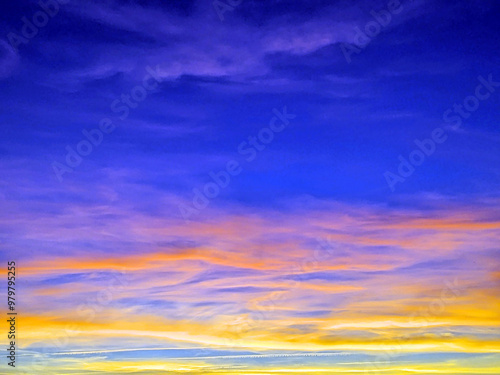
[(250, 187)]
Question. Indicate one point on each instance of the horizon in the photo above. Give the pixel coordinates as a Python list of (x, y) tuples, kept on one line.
[(239, 187)]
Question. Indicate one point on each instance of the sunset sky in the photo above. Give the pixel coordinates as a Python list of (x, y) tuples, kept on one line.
[(243, 187)]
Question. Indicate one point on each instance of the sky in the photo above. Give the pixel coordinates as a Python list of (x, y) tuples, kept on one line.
[(251, 187)]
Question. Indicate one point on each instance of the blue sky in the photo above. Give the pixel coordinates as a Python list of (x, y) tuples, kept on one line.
[(206, 85), (353, 120)]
